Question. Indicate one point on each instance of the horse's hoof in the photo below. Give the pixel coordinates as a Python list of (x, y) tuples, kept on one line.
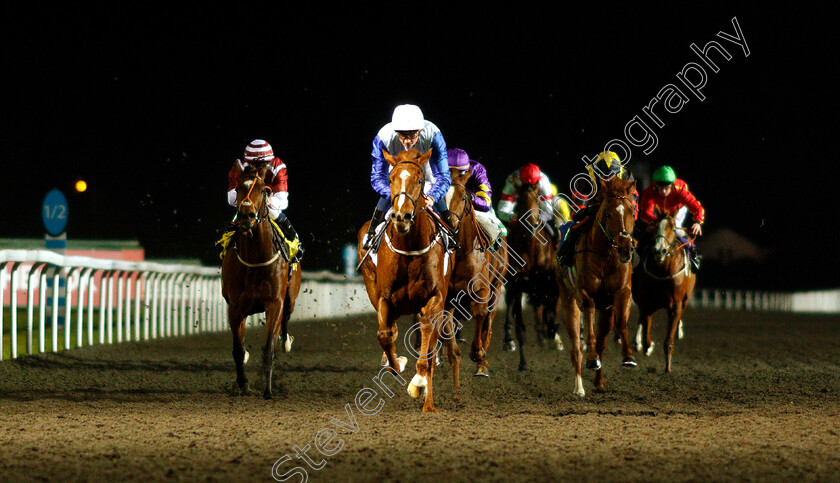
[(593, 364), (245, 358), (267, 394), (509, 346), (384, 361), (629, 362), (482, 371), (558, 343), (437, 361), (414, 387), (287, 346), (522, 367), (600, 389), (402, 361), (430, 409), (649, 350)]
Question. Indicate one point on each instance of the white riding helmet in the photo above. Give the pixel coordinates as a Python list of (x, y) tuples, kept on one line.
[(407, 117)]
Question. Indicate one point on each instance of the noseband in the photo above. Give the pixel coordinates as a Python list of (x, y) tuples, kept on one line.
[(405, 193), (621, 234)]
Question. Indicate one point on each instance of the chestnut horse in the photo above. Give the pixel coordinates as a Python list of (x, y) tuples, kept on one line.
[(529, 238), (409, 274), (600, 279), (478, 274), (663, 280), (257, 277)]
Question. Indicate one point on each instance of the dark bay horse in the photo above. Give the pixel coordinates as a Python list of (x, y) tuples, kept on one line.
[(478, 274), (663, 280), (529, 238), (599, 279), (409, 274), (256, 277)]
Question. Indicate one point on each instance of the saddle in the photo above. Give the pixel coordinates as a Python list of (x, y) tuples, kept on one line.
[(288, 248)]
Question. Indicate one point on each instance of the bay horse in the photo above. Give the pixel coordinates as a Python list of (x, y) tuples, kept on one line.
[(477, 273), (410, 273), (663, 280), (534, 246), (257, 277), (600, 279)]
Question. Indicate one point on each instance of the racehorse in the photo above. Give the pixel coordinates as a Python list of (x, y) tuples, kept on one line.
[(599, 278), (477, 273), (536, 277), (257, 276), (663, 280), (410, 273)]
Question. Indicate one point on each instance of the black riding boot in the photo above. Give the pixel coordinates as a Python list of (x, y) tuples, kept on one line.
[(290, 233), (451, 243), (568, 246), (695, 258), (375, 220)]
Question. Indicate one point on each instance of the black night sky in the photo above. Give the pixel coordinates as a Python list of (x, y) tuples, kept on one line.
[(151, 107)]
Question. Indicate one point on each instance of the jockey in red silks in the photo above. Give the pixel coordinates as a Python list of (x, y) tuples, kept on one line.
[(528, 174), (259, 152), (669, 194), (479, 186), (407, 130)]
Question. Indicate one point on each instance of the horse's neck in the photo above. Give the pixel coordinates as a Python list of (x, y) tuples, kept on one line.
[(467, 229), (260, 243), (418, 237)]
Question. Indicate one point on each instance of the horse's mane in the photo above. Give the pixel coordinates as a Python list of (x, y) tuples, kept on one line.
[(409, 155)]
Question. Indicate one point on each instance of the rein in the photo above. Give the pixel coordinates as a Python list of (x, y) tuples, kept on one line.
[(623, 233), (261, 216)]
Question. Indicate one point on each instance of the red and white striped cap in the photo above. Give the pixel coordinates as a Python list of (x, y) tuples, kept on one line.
[(259, 150)]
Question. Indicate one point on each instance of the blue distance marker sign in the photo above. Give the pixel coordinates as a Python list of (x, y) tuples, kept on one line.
[(54, 212)]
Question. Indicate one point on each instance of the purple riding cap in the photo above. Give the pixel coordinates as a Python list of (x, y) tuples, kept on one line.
[(478, 184)]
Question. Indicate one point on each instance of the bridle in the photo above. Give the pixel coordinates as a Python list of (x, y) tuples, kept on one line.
[(623, 233), (414, 203), (262, 215), (673, 249)]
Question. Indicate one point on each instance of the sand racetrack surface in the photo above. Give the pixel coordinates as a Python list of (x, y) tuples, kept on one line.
[(753, 396)]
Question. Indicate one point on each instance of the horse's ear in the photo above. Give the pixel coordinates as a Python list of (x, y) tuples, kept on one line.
[(602, 185), (391, 160), (239, 166), (631, 186), (422, 160)]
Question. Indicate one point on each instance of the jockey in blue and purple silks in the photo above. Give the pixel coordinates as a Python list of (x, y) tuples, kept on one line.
[(479, 185), (409, 130)]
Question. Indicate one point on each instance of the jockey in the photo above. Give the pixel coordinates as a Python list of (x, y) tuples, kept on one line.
[(260, 152), (528, 174), (669, 194), (409, 130), (606, 165), (479, 186)]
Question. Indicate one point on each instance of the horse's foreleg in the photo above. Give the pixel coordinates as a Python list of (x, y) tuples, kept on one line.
[(273, 325), (592, 359), (453, 351), (237, 328), (481, 339), (432, 315), (622, 315), (387, 335), (520, 331), (643, 341), (572, 322), (605, 325), (508, 344), (674, 316)]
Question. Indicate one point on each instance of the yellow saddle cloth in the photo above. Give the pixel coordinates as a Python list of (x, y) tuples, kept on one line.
[(293, 245)]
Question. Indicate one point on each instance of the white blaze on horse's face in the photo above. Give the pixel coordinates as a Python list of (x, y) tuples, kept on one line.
[(661, 245), (403, 176)]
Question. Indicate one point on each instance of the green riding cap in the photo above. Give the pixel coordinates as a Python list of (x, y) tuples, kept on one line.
[(664, 174)]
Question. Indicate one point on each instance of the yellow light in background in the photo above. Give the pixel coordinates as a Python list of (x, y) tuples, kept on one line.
[(81, 186)]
